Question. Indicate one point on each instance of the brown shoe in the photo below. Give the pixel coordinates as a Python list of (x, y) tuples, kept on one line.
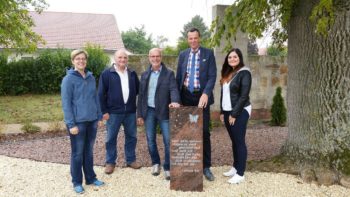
[(109, 168), (134, 165)]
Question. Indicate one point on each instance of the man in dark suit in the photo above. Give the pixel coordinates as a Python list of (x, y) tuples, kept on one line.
[(195, 77), (158, 92)]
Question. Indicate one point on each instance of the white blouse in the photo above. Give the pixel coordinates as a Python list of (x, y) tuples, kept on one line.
[(226, 100)]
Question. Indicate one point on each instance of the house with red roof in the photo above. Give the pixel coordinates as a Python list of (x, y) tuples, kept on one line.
[(74, 30)]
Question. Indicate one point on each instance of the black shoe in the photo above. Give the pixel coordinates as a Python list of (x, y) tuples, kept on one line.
[(208, 175)]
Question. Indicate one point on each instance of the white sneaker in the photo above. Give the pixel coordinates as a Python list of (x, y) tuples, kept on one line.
[(231, 172), (236, 179), (155, 170), (167, 175)]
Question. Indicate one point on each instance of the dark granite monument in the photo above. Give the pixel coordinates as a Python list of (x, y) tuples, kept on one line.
[(186, 149)]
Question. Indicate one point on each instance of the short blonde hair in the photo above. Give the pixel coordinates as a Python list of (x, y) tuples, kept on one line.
[(77, 52)]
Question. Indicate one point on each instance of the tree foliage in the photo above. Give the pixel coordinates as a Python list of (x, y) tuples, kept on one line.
[(136, 40), (168, 50), (318, 73), (266, 14), (278, 109), (197, 22), (16, 24), (181, 45), (274, 50)]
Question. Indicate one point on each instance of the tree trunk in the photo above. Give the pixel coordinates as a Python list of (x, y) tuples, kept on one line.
[(318, 96)]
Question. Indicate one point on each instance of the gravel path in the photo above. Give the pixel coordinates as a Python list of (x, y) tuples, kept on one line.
[(262, 141), (23, 177)]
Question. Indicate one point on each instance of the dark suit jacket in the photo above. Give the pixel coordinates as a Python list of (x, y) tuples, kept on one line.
[(207, 71), (166, 92)]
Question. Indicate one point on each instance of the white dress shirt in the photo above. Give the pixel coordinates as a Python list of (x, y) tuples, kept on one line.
[(124, 80)]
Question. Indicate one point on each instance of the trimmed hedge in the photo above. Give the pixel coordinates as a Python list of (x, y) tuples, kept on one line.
[(44, 74)]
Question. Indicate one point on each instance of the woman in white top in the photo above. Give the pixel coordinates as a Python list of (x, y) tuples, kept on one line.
[(235, 107)]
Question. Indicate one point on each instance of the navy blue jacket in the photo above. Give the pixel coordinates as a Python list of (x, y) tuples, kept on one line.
[(79, 98), (111, 95), (207, 71), (166, 93)]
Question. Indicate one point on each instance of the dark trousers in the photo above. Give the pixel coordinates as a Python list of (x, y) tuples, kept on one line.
[(237, 134), (192, 99), (82, 158)]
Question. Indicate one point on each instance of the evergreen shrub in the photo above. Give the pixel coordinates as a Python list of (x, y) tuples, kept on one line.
[(278, 109)]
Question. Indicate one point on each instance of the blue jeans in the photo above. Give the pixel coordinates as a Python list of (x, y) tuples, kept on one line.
[(82, 146), (114, 122), (151, 125)]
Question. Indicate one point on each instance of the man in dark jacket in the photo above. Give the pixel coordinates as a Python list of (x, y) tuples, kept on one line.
[(196, 76), (118, 88), (158, 92)]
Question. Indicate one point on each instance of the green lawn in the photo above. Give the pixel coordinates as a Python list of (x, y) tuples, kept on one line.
[(30, 108), (44, 108)]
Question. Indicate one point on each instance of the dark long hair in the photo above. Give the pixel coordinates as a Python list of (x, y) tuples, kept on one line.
[(227, 70)]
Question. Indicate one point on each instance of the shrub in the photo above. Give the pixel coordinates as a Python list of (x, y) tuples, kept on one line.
[(50, 68), (44, 74), (40, 75), (17, 77), (97, 60), (3, 63), (30, 128), (275, 50), (278, 109), (214, 124), (3, 58)]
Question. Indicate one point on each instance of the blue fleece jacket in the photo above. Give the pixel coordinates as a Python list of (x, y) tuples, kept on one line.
[(111, 95), (79, 98)]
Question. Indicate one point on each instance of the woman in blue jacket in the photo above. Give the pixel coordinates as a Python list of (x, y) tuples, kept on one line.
[(82, 112), (235, 107)]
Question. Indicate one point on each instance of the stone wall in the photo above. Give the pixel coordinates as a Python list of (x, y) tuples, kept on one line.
[(267, 72), (140, 62)]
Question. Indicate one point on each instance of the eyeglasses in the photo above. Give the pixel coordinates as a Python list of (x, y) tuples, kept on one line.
[(154, 56), (80, 59)]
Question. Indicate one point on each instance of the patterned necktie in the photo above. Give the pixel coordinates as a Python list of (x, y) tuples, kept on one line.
[(193, 72)]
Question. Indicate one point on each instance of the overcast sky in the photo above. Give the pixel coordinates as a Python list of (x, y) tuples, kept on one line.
[(160, 17)]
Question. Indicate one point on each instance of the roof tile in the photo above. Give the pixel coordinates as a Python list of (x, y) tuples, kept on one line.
[(75, 30)]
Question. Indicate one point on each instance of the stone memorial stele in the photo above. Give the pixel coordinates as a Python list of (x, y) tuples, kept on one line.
[(186, 149)]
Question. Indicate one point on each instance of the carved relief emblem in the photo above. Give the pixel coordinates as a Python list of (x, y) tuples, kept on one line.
[(193, 118)]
